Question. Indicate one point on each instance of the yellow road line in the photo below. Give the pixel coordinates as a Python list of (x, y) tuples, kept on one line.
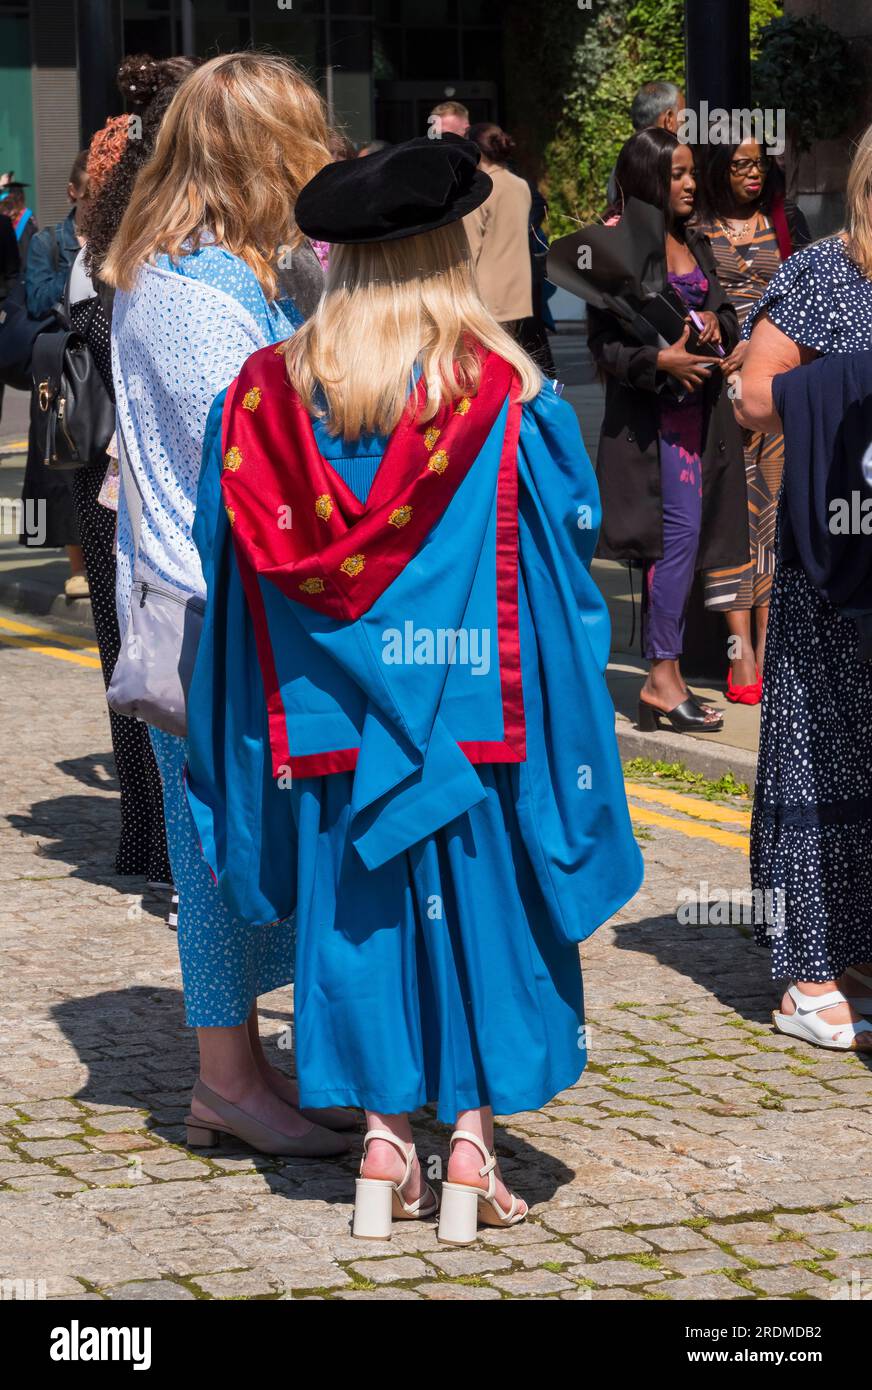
[(690, 805), (65, 638), (729, 838), (58, 653), (12, 445)]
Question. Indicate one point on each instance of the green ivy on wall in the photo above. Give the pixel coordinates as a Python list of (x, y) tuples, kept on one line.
[(626, 43)]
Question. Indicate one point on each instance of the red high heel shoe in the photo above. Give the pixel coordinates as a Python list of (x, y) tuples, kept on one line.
[(744, 694)]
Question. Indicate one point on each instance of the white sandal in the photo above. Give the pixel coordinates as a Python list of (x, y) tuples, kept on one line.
[(464, 1206), (807, 1024), (379, 1201)]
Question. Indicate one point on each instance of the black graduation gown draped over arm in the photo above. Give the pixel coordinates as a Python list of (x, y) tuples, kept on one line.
[(628, 460)]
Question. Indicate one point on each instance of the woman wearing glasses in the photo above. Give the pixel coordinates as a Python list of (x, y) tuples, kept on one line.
[(752, 230)]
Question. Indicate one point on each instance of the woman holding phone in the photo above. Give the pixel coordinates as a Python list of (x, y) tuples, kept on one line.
[(670, 464)]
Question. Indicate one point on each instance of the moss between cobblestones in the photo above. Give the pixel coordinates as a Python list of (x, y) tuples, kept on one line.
[(814, 1267), (735, 1276), (358, 1282), (88, 1286), (649, 1100), (647, 1261), (677, 774)]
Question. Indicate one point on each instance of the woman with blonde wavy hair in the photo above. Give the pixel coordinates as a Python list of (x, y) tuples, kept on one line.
[(197, 290), (805, 372), (396, 518)]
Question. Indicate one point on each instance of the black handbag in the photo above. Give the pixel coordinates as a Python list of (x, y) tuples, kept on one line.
[(75, 418)]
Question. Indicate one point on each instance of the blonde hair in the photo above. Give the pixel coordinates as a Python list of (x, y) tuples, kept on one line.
[(858, 200), (241, 136), (386, 306)]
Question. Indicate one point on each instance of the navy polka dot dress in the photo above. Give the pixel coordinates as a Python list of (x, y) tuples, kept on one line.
[(812, 823)]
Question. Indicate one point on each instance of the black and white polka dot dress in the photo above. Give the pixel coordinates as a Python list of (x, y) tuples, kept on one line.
[(812, 824), (142, 847)]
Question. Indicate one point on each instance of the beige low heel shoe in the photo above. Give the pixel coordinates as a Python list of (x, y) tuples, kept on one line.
[(333, 1117), (206, 1134)]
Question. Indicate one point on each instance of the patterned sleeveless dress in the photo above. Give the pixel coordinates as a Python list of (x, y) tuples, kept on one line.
[(745, 272)]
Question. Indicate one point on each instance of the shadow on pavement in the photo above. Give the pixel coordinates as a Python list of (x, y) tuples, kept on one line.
[(724, 961), (141, 1055)]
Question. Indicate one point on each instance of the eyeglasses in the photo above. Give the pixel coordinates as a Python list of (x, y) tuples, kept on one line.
[(744, 166)]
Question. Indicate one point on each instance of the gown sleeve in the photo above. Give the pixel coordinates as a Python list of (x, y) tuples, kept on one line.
[(572, 806), (245, 818)]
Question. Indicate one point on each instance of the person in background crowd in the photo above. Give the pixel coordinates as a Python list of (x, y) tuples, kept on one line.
[(148, 87), (49, 260), (499, 234), (655, 104), (10, 270), (54, 249), (812, 818), (534, 334), (10, 260), (340, 147), (371, 147), (670, 463), (13, 205), (449, 118), (741, 209), (196, 291), (453, 801), (108, 145)]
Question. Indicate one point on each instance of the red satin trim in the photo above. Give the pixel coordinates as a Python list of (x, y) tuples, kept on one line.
[(512, 748), (277, 725), (282, 467), (257, 539), (323, 764)]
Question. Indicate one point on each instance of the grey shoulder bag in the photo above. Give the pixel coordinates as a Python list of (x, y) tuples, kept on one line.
[(159, 645)]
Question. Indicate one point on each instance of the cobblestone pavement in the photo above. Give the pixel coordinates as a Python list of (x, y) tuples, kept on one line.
[(700, 1157)]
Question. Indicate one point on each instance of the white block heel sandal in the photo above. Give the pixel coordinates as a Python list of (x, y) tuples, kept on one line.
[(463, 1207), (380, 1201), (807, 1024)]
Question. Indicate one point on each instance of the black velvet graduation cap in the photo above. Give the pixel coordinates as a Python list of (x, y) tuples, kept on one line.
[(401, 191)]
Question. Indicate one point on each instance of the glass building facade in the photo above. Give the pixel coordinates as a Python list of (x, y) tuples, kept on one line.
[(381, 64)]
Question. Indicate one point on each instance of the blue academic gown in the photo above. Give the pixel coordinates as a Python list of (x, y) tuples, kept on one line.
[(437, 912)]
